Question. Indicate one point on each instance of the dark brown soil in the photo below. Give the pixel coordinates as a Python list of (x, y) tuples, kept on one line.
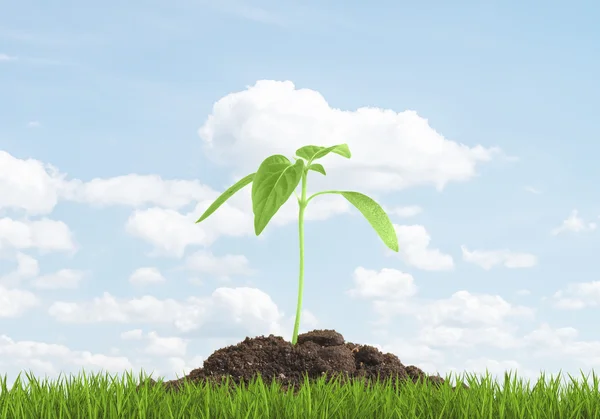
[(318, 353)]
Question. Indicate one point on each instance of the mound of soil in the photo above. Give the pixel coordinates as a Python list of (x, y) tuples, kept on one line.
[(318, 353)]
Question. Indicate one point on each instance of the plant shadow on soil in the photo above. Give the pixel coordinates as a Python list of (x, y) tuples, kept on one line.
[(317, 353)]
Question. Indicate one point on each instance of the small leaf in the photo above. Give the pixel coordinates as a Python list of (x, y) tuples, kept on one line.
[(317, 168), (375, 215), (226, 195), (314, 152), (308, 151), (276, 179)]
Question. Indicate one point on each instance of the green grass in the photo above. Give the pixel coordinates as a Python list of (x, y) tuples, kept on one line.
[(105, 396)]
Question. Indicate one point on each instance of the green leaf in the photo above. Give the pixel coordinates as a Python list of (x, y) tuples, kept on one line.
[(276, 179), (317, 168), (225, 196), (314, 152), (375, 215)]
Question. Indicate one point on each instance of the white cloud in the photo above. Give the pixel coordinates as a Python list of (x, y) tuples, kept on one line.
[(6, 58), (578, 295), (546, 341), (165, 346), (53, 359), (222, 267), (497, 369), (135, 334), (414, 241), (462, 309), (499, 336), (466, 308), (443, 328), (146, 275), (33, 124), (249, 309), (391, 150), (487, 259), (35, 187), (15, 302), (62, 279), (29, 184), (46, 235), (171, 232), (404, 212), (138, 190), (27, 267), (574, 224), (157, 345), (387, 283)]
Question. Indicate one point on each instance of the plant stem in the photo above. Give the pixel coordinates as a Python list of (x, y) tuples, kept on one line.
[(302, 202)]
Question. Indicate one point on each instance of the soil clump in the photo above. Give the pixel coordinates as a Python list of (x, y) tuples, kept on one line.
[(318, 353)]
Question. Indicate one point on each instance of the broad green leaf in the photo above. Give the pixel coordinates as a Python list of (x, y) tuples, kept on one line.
[(317, 168), (226, 195), (375, 215), (275, 180), (314, 152)]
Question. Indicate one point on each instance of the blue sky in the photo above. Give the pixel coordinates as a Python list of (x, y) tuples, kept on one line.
[(474, 125)]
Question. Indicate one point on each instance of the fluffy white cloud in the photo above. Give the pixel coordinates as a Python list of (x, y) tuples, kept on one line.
[(466, 308), (413, 241), (28, 185), (165, 346), (387, 283), (404, 212), (462, 309), (391, 150), (497, 369), (45, 235), (53, 359), (500, 336), (247, 308), (171, 232), (36, 187), (222, 267), (146, 275), (62, 279), (135, 334), (574, 224), (27, 267), (138, 190), (578, 295), (562, 342), (157, 345), (487, 259), (14, 302)]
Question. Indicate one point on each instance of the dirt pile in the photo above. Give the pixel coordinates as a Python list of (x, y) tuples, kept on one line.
[(318, 353)]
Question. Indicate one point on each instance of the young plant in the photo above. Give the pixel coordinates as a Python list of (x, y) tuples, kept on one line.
[(275, 181)]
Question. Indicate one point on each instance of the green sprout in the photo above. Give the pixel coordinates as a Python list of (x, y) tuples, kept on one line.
[(275, 180)]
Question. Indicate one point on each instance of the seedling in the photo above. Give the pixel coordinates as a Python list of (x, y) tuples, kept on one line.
[(275, 181)]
